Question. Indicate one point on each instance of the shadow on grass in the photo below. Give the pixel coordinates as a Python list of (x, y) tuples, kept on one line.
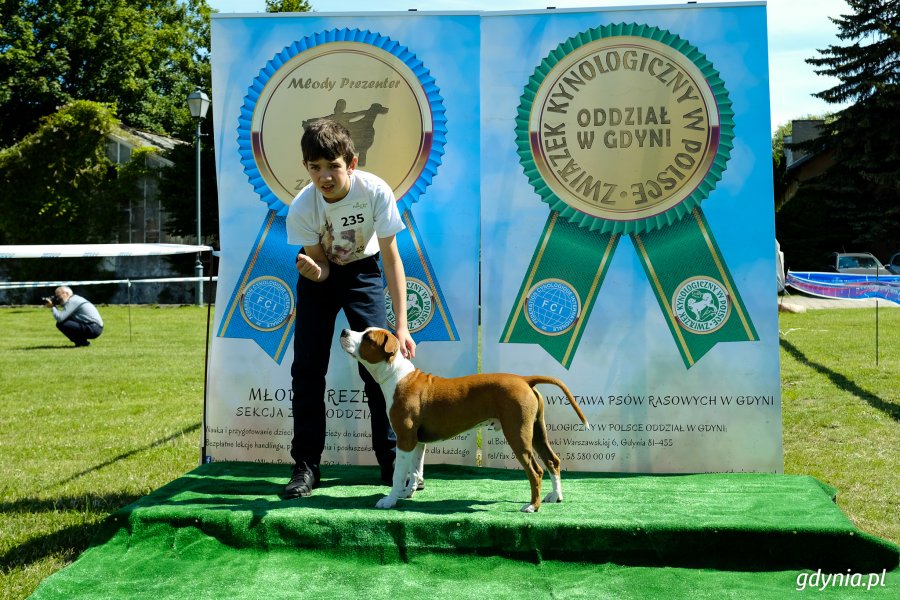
[(83, 503), (70, 541), (844, 382), (45, 347), (127, 455), (67, 542)]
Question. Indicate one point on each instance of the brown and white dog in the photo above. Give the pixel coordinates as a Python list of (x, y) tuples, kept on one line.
[(424, 408)]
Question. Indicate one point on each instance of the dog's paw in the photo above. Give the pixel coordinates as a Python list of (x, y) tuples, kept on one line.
[(529, 508), (387, 502), (553, 497)]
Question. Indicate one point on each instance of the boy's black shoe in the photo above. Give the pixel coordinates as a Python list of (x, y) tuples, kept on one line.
[(304, 480)]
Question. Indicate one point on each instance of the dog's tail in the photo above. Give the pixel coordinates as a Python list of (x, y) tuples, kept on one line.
[(536, 379)]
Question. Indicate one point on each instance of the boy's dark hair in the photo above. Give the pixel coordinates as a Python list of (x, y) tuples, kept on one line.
[(326, 139)]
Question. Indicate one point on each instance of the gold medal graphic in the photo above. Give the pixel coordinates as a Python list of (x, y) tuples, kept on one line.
[(623, 129), (368, 90)]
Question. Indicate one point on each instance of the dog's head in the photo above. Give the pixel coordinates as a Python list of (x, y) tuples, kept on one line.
[(377, 349)]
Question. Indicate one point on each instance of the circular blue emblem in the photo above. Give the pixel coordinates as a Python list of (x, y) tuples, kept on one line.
[(552, 306), (266, 303)]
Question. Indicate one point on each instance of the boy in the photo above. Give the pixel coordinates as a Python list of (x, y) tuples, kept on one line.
[(343, 219)]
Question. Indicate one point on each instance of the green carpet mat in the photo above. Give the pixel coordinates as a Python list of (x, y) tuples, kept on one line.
[(221, 531)]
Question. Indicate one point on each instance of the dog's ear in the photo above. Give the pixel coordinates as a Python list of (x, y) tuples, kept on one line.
[(380, 342), (391, 345)]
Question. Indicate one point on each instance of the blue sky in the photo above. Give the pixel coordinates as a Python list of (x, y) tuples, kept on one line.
[(797, 28)]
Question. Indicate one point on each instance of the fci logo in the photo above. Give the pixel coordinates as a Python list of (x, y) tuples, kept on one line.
[(552, 306)]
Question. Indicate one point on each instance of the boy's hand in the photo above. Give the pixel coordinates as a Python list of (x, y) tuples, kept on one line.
[(407, 344), (308, 268)]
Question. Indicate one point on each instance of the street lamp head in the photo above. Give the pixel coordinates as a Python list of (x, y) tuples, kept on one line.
[(198, 103)]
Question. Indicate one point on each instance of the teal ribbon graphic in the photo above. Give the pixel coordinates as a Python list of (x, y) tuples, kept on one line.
[(262, 304)]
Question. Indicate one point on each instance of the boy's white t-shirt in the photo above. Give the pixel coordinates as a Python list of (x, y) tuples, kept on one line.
[(347, 229)]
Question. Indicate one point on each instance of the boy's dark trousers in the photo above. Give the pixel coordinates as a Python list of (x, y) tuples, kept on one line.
[(358, 290)]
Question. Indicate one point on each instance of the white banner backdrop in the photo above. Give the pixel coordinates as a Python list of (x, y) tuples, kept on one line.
[(406, 84), (661, 317), (620, 163)]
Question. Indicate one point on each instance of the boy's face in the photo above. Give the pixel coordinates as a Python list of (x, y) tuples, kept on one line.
[(331, 177)]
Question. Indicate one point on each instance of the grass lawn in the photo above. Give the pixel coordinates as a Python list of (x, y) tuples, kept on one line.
[(841, 412), (86, 431)]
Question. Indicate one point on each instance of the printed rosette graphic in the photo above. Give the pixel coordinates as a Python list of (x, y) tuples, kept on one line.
[(625, 129), (392, 107)]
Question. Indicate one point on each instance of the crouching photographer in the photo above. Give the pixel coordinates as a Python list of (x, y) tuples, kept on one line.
[(78, 319)]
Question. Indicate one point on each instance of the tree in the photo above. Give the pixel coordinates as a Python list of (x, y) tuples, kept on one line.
[(140, 58), (54, 183), (145, 56), (866, 135), (57, 185), (178, 192), (277, 6), (177, 187)]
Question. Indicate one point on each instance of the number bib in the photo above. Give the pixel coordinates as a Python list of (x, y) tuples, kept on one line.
[(349, 230)]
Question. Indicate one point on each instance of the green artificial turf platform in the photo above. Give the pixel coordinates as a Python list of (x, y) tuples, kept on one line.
[(222, 531)]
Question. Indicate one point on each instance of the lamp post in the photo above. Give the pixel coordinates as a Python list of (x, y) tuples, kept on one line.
[(198, 103)]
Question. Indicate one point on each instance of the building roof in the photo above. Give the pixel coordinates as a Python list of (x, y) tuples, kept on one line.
[(145, 138), (136, 138)]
